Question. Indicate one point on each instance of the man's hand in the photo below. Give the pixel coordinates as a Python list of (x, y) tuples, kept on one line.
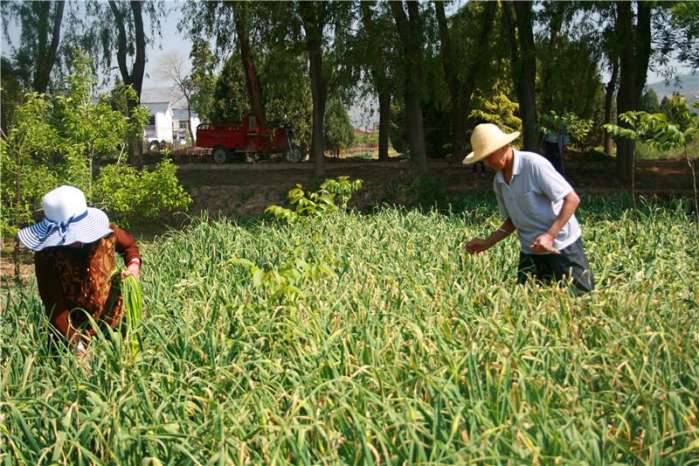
[(544, 245), (477, 245)]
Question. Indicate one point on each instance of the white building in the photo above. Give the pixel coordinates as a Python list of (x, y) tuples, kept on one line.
[(168, 117)]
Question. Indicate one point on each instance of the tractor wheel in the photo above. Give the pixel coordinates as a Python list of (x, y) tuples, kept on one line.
[(220, 155), (294, 155)]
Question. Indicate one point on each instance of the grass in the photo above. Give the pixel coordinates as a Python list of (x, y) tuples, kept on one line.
[(648, 152), (366, 339)]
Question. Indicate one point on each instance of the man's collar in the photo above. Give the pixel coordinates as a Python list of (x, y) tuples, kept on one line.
[(516, 166)]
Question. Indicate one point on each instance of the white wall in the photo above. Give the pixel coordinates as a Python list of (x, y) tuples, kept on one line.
[(163, 125)]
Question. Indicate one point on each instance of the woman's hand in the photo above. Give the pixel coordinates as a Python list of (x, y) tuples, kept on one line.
[(134, 269)]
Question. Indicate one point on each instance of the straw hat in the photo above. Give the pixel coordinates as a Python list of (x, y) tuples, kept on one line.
[(68, 220), (486, 139)]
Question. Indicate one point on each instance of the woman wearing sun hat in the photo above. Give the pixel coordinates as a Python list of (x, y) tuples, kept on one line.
[(536, 201), (74, 259)]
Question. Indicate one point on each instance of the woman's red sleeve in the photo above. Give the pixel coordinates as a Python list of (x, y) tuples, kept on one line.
[(125, 244)]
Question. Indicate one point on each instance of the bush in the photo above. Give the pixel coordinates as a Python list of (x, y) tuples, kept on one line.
[(333, 194), (59, 139), (132, 196)]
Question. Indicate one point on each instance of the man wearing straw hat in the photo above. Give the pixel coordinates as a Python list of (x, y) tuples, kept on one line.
[(74, 260), (534, 199)]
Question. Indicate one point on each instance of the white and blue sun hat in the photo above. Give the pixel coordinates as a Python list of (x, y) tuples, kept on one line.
[(68, 220)]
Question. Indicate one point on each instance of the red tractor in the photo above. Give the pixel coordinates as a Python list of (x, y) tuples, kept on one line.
[(246, 140)]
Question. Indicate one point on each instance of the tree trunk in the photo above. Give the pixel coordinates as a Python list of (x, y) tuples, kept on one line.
[(381, 84), (410, 32), (635, 54), (47, 57), (527, 76), (461, 90), (547, 67), (139, 65), (319, 94), (252, 84), (135, 77), (608, 104), (192, 137), (384, 123)]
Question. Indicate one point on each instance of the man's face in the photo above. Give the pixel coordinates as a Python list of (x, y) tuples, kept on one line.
[(497, 160)]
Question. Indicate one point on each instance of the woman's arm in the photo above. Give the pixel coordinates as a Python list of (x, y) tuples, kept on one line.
[(128, 249)]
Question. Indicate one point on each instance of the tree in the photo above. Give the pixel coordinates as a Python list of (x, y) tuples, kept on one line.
[(314, 17), (11, 94), (649, 102), (377, 55), (633, 32), (339, 133), (518, 18), (203, 78), (229, 102), (461, 81), (171, 67), (677, 128), (40, 37), (241, 16), (230, 23), (410, 33)]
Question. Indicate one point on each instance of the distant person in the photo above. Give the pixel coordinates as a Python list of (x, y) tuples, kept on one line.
[(479, 169), (74, 261), (555, 142), (534, 199)]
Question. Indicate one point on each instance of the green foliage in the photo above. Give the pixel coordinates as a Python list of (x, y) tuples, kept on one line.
[(407, 352), (229, 98), (339, 133), (11, 94), (287, 284), (497, 109), (57, 140), (649, 102), (203, 78), (132, 196), (578, 129), (678, 127), (332, 195)]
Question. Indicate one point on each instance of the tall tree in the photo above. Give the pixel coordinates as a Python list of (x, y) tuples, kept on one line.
[(410, 32), (518, 18), (126, 35), (461, 80), (230, 24), (633, 33), (378, 44), (314, 17), (40, 24), (241, 17), (610, 90)]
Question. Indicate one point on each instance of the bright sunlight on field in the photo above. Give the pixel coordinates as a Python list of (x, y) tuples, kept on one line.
[(372, 338)]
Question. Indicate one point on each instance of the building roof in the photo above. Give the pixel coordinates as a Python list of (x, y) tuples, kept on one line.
[(153, 95)]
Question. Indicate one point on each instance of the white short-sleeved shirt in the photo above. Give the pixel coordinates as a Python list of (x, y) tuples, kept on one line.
[(533, 200)]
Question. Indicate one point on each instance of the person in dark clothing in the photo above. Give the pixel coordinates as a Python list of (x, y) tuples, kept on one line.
[(75, 261)]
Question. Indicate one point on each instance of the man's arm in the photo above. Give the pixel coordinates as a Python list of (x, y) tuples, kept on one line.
[(544, 243), (479, 245)]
